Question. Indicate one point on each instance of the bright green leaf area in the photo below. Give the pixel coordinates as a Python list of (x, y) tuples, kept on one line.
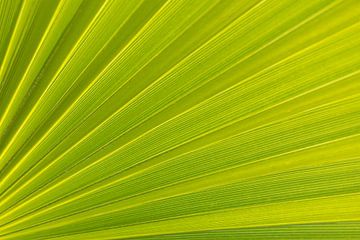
[(179, 119)]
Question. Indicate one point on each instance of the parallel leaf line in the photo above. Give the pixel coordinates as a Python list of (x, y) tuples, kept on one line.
[(67, 59), (84, 136), (64, 179), (221, 140), (228, 176), (194, 107), (54, 17)]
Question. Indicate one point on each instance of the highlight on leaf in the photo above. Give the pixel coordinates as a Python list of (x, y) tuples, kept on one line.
[(179, 119)]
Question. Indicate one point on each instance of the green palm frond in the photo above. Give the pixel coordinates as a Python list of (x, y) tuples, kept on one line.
[(179, 119)]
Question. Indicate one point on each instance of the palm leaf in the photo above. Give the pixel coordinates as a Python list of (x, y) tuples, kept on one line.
[(179, 119)]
